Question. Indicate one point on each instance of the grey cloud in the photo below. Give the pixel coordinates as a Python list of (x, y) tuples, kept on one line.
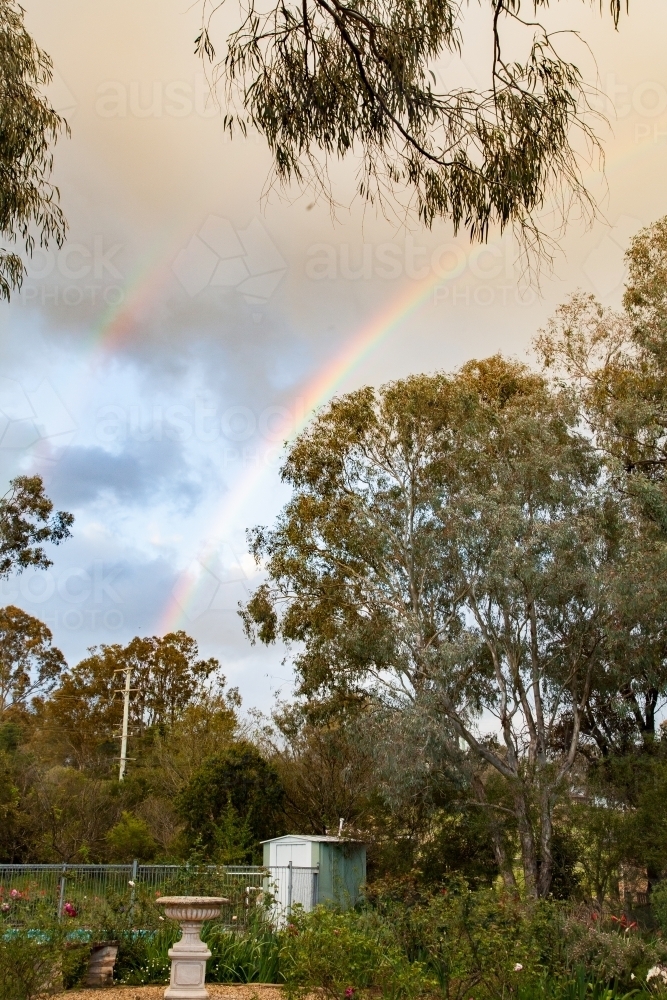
[(86, 474)]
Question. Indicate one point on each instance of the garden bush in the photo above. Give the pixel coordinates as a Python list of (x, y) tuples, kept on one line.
[(463, 945), (349, 954)]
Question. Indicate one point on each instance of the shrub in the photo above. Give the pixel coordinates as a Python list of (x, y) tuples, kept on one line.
[(659, 905), (343, 955), (37, 961)]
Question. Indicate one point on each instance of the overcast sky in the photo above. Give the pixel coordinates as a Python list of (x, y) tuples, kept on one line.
[(152, 367)]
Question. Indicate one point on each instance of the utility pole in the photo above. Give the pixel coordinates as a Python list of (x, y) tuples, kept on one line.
[(125, 691)]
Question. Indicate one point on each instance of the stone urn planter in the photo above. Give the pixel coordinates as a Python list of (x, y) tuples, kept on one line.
[(189, 954)]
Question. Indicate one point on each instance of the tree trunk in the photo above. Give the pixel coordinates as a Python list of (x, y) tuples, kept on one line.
[(527, 840), (504, 863), (546, 838)]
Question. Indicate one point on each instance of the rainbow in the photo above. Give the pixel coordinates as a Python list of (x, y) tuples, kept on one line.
[(311, 397), (117, 324)]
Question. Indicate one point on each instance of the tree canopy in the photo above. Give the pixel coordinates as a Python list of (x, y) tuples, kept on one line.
[(325, 79), (29, 127), (26, 522), (82, 718), (29, 663), (231, 803), (450, 547)]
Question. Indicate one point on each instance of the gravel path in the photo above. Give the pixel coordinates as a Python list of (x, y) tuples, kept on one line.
[(257, 991)]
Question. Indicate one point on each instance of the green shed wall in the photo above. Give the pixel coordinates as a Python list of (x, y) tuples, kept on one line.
[(342, 873)]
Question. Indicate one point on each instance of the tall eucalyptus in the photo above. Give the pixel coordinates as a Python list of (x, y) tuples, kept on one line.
[(449, 549)]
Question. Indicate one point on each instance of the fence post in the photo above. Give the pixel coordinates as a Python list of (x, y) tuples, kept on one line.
[(290, 875), (61, 892), (135, 866)]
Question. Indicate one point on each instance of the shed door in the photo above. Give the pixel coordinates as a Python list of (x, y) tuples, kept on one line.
[(298, 854)]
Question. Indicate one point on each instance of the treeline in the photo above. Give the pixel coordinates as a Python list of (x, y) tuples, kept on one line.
[(201, 783), (471, 573)]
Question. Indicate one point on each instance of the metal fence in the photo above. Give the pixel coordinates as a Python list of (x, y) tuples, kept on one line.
[(87, 889)]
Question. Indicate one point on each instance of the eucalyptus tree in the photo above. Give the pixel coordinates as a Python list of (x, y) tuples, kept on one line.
[(30, 664), (448, 549), (27, 520), (29, 127), (616, 360), (326, 79), (80, 720)]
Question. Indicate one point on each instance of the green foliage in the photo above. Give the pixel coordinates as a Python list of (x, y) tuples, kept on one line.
[(459, 944), (29, 663), (343, 955), (29, 127), (142, 958), (30, 965), (26, 513), (39, 954), (659, 905), (249, 955), (450, 547), (322, 82), (130, 838), (233, 802)]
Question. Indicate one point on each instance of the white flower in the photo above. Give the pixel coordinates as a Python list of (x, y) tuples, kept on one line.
[(658, 971), (131, 883), (160, 918), (518, 967)]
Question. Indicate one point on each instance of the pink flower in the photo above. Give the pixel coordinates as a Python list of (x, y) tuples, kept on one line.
[(69, 910), (349, 992), (15, 894), (5, 907)]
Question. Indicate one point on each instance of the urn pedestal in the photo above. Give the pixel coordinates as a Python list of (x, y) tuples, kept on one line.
[(189, 954)]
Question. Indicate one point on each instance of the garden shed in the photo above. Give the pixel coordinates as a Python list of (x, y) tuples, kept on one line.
[(311, 870)]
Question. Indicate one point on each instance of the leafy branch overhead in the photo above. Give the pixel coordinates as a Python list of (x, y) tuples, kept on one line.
[(29, 127), (322, 79)]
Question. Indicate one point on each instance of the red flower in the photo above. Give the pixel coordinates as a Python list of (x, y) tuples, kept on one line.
[(70, 910), (349, 992)]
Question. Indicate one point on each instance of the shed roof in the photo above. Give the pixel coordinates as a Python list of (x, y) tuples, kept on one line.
[(318, 839)]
